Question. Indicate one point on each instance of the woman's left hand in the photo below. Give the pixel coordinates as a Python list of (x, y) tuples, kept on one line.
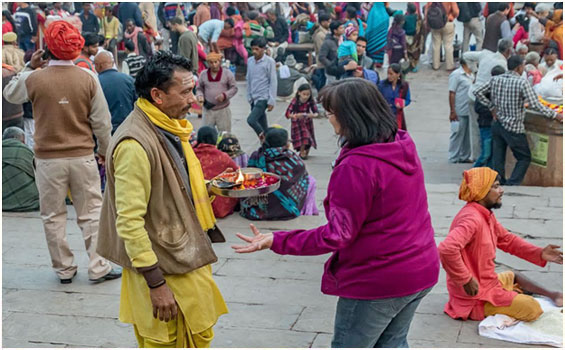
[(259, 241)]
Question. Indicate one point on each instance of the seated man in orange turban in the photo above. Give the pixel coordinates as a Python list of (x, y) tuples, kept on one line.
[(468, 253)]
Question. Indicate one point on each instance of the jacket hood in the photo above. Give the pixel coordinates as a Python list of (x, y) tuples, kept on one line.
[(401, 153)]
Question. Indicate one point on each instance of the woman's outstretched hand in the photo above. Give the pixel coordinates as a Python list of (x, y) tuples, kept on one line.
[(259, 241)]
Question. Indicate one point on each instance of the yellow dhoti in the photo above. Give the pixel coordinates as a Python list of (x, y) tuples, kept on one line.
[(200, 305)]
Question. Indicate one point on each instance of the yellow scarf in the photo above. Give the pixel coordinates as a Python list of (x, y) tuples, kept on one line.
[(182, 128)]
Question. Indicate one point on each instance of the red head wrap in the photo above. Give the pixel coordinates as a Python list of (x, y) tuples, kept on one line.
[(63, 40)]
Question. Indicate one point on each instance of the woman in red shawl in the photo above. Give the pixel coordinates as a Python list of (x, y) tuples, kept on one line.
[(214, 162)]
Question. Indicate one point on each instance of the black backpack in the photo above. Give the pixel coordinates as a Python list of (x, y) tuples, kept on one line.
[(437, 16)]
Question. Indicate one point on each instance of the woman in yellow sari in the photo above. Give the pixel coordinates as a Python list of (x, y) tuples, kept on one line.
[(554, 30)]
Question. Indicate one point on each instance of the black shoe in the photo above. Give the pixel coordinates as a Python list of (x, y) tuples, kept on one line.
[(68, 280), (112, 275)]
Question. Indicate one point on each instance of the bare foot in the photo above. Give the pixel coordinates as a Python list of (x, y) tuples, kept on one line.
[(557, 299)]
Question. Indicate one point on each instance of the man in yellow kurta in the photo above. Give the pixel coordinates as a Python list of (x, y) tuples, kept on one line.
[(157, 220)]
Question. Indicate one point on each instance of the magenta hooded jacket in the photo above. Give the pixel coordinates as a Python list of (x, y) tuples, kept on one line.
[(379, 228)]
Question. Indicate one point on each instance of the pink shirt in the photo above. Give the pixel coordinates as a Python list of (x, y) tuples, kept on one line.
[(469, 251), (520, 35)]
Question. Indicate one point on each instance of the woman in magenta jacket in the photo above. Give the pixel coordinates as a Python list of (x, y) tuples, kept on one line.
[(379, 230)]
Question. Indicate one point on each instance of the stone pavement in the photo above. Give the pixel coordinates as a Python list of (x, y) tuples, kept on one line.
[(274, 301)]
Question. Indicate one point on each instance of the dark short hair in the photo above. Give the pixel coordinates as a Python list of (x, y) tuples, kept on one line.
[(158, 73), (260, 41), (101, 40), (396, 67), (366, 117), (177, 20), (502, 6), (335, 25), (230, 11), (252, 15), (524, 21), (411, 8), (230, 22), (130, 46), (90, 39), (497, 70), (207, 135), (130, 20), (324, 16), (553, 45), (399, 18), (362, 38), (550, 51), (275, 137), (351, 11), (514, 62)]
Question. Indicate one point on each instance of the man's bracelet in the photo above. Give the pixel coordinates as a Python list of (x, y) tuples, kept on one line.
[(157, 285)]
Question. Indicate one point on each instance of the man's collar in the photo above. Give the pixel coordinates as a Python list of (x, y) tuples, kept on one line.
[(487, 213), (108, 70), (61, 63), (465, 73)]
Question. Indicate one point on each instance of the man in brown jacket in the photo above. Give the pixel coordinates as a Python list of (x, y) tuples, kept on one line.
[(66, 117), (157, 220)]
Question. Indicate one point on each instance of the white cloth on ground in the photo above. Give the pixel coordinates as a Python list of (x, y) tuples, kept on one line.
[(547, 330)]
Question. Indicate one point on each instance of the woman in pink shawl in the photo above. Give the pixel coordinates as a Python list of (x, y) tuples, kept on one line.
[(233, 38)]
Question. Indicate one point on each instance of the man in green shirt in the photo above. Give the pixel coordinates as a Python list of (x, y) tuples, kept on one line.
[(188, 42)]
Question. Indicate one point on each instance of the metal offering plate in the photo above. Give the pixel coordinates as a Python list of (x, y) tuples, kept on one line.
[(225, 186)]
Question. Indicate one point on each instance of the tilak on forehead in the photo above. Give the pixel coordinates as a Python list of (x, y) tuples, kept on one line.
[(188, 80)]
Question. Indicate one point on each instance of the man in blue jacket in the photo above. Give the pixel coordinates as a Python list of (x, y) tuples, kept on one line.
[(118, 88), (130, 10)]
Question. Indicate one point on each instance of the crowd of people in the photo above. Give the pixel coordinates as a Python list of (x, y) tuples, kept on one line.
[(491, 90), (113, 139)]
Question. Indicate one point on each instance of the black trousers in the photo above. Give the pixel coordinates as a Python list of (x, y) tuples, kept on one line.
[(518, 143), (257, 119)]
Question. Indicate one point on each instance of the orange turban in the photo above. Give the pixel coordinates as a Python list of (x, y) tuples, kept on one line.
[(213, 56), (63, 40), (476, 184)]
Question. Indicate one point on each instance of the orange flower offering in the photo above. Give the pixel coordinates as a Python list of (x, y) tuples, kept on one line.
[(557, 108), (237, 181)]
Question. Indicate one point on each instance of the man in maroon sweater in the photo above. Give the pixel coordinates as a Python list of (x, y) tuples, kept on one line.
[(215, 89)]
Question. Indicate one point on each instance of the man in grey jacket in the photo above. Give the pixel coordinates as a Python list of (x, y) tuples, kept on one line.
[(328, 54)]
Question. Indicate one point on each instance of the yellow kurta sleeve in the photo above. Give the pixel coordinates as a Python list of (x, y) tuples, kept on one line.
[(132, 173)]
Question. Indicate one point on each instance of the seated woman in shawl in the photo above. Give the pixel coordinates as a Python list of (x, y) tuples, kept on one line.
[(214, 162), (229, 144), (275, 157)]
